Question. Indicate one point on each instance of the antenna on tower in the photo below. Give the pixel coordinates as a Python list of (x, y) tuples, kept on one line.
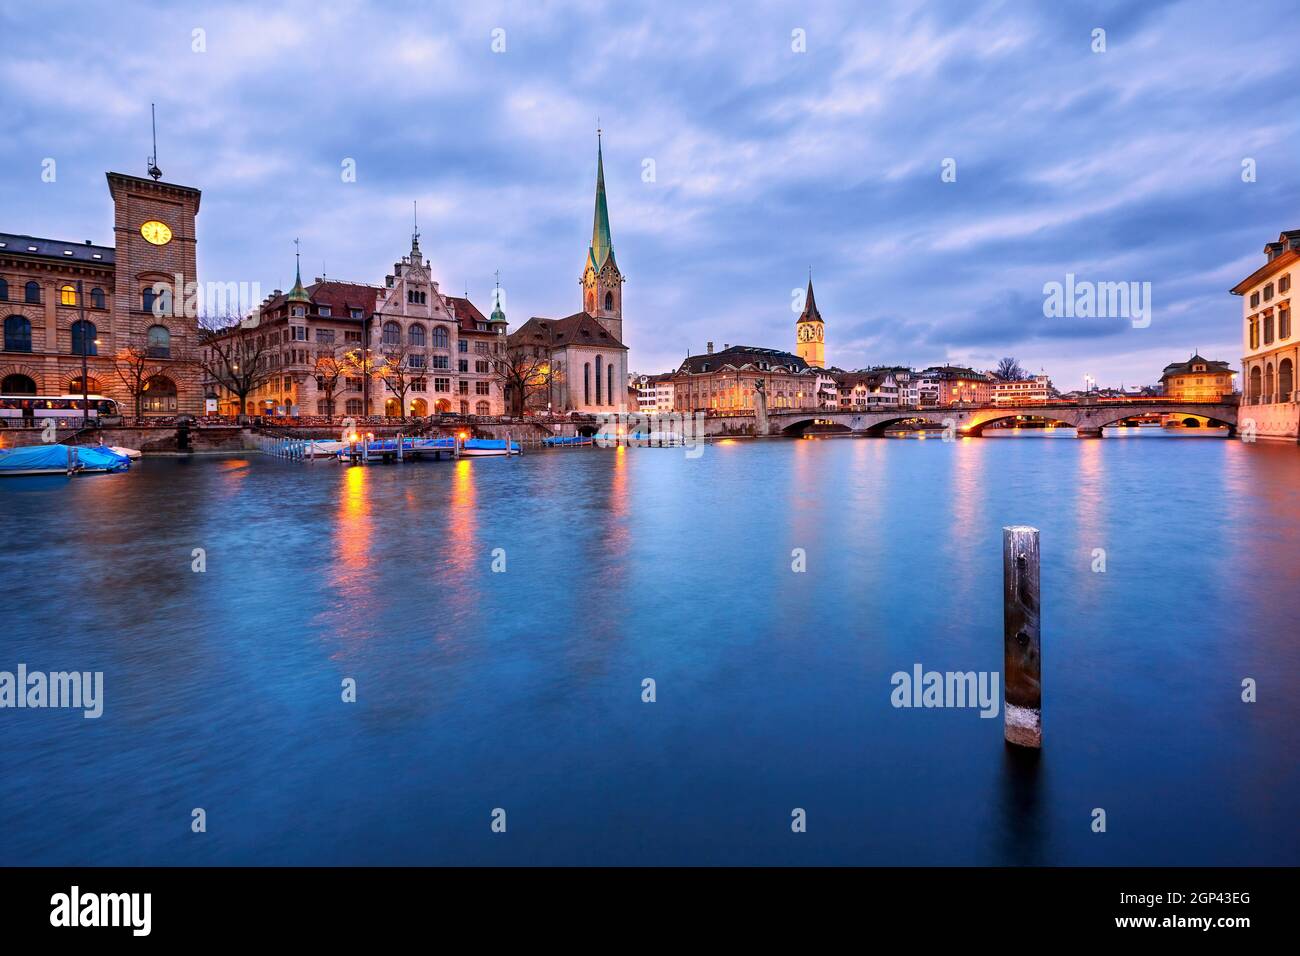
[(154, 171)]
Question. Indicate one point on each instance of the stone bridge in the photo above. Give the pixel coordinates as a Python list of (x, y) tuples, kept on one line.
[(1088, 419)]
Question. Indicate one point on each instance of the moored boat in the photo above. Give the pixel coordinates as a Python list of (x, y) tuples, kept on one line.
[(55, 459)]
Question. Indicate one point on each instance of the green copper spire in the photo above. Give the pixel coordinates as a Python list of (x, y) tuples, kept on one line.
[(298, 293), (498, 314), (601, 244)]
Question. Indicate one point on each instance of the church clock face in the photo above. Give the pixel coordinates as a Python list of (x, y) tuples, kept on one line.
[(157, 233)]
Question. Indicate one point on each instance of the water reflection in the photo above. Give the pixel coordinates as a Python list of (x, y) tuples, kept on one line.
[(1020, 816)]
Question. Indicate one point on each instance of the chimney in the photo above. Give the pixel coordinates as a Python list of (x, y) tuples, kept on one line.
[(725, 346), (709, 348)]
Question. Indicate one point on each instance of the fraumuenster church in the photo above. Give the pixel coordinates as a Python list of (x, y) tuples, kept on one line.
[(587, 357)]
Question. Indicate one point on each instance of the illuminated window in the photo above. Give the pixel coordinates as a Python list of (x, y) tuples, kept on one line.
[(68, 295)]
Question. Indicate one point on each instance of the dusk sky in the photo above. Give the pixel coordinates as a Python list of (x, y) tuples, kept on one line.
[(1124, 165)]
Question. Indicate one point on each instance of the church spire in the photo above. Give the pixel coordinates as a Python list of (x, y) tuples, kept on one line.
[(810, 313), (298, 293), (498, 313), (601, 244)]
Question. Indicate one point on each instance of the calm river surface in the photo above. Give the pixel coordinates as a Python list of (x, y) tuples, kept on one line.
[(522, 690)]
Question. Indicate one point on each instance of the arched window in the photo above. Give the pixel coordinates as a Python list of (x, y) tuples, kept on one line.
[(609, 392), (32, 292), (159, 394), (18, 385), (83, 338), (609, 302), (599, 360), (68, 295), (156, 299), (440, 337), (1268, 384), (419, 407), (392, 333), (4, 291), (586, 383), (482, 408), (92, 386), (18, 334), (97, 298), (1285, 381), (1255, 377), (160, 342), (416, 335)]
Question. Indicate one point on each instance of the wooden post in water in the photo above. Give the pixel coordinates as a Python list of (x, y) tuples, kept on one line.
[(1022, 700)]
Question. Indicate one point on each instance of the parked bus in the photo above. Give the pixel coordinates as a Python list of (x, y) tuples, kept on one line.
[(31, 410)]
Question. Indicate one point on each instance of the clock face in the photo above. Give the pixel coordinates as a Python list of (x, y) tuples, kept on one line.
[(156, 232)]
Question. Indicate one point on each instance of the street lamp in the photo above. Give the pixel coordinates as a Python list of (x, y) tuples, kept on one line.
[(85, 370)]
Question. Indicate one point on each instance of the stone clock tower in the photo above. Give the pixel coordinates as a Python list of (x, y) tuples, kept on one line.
[(154, 239), (810, 332), (602, 283)]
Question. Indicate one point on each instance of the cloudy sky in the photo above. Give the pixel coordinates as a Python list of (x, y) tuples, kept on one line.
[(1117, 166)]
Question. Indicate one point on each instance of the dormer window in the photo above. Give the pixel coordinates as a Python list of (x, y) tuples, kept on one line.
[(299, 310), (323, 310), (355, 313)]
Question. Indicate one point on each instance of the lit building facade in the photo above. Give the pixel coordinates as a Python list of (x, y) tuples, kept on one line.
[(1270, 349), (1025, 391), (727, 381), (1197, 380), (954, 385), (445, 345)]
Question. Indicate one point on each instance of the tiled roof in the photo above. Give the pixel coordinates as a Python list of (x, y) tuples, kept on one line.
[(19, 245), (468, 314), (1185, 368), (341, 297), (738, 356), (577, 329)]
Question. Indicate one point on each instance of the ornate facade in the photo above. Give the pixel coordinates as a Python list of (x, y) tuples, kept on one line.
[(1270, 346)]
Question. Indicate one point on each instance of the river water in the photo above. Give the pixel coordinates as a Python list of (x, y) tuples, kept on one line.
[(522, 689)]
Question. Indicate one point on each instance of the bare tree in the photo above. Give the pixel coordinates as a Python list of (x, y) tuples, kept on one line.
[(235, 355), (135, 366), (329, 369), (1009, 370), (394, 370), (523, 372), (362, 362)]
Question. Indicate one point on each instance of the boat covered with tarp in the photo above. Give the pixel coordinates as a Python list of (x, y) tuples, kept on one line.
[(564, 441), (55, 459)]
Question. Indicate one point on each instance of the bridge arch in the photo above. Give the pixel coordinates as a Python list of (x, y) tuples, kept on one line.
[(993, 416)]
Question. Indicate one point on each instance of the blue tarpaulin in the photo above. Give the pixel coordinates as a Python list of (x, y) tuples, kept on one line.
[(53, 459)]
